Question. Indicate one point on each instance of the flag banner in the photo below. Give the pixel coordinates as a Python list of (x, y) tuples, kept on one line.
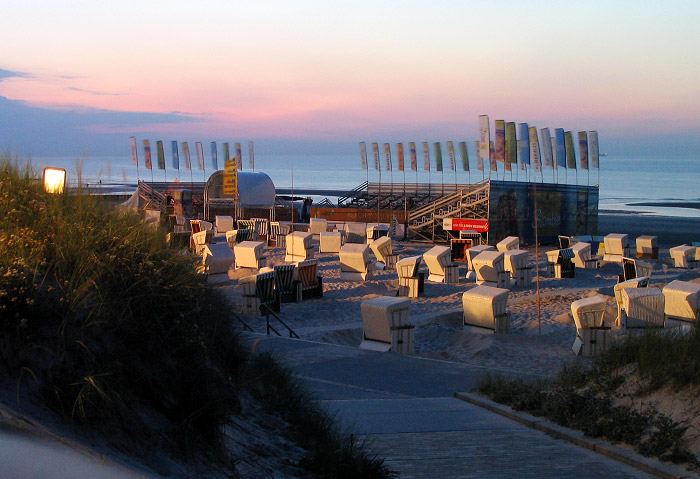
[(492, 156), (387, 156), (414, 157), (511, 145), (553, 143), (438, 156), (451, 155), (239, 156), (134, 153), (363, 154), (547, 157), (523, 145), (176, 155), (186, 154), (375, 155), (161, 155), (147, 154), (595, 152), (227, 153), (200, 155), (426, 156), (500, 141), (399, 154), (479, 159), (535, 149), (465, 155), (214, 159), (570, 153), (484, 140), (561, 147), (251, 155), (230, 177), (583, 149)]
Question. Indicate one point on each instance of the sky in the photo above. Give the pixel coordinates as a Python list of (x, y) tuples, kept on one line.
[(81, 77)]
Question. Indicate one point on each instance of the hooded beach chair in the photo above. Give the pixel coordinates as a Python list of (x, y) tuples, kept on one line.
[(356, 233), (647, 247), (642, 308), (278, 234), (508, 243), (199, 240), (616, 247), (355, 262), (248, 225), (375, 232), (683, 256), (217, 258), (287, 286), (259, 293), (318, 226), (249, 254), (474, 251), (682, 302), (385, 325), (634, 268), (560, 263), (384, 253), (330, 242), (641, 282), (515, 262), (490, 269), (300, 246), (311, 281), (438, 259), (582, 256), (485, 308), (411, 282), (223, 223), (592, 336)]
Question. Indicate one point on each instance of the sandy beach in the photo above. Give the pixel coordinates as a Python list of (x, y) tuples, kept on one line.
[(538, 344)]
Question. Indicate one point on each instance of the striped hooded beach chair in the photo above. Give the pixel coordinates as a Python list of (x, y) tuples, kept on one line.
[(288, 289), (311, 281)]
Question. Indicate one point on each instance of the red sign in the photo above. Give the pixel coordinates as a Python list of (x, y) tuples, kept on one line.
[(459, 224)]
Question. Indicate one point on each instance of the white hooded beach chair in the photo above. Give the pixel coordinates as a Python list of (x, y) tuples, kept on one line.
[(278, 234), (635, 268), (249, 254), (641, 282), (355, 262), (300, 246), (318, 226), (616, 247), (375, 232), (259, 294), (217, 258), (582, 256), (356, 233), (223, 223), (560, 263), (410, 280), (683, 256), (490, 270), (485, 307), (330, 242), (515, 262), (385, 325), (682, 302), (592, 336), (438, 259), (199, 241), (642, 308), (384, 253), (472, 252), (647, 247), (508, 243)]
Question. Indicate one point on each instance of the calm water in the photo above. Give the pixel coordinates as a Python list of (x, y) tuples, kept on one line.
[(623, 180)]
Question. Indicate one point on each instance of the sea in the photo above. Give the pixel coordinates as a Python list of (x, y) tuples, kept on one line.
[(625, 181)]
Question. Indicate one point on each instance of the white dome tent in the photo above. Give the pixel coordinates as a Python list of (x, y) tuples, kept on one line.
[(255, 190)]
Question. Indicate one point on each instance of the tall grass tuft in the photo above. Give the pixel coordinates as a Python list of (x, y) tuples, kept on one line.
[(107, 323)]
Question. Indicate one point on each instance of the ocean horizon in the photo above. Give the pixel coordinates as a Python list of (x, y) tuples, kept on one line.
[(625, 181)]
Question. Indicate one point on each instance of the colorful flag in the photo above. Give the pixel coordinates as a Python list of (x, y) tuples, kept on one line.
[(465, 155), (161, 155), (251, 155), (500, 142), (438, 156), (214, 156), (583, 149), (523, 145), (227, 153), (479, 159), (511, 145), (387, 156), (186, 153), (414, 157), (553, 143), (570, 153), (595, 152), (547, 157), (147, 154), (176, 155), (492, 156), (399, 154), (200, 155), (483, 153), (451, 155), (426, 156), (561, 147), (134, 153), (534, 148), (239, 156), (363, 154), (375, 155)]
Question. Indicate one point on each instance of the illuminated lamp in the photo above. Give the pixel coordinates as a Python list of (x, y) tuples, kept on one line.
[(54, 180)]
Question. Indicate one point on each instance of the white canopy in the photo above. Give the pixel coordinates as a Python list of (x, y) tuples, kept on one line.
[(255, 190)]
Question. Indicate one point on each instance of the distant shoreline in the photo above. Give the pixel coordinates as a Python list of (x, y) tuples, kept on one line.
[(670, 204), (671, 230)]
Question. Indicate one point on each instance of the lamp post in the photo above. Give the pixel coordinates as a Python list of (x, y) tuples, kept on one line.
[(54, 180)]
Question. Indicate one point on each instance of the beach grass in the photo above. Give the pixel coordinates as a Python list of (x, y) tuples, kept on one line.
[(116, 331)]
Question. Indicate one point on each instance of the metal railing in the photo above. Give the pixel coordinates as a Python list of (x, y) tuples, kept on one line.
[(268, 311)]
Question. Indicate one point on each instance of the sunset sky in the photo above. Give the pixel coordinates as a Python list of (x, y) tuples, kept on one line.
[(87, 75)]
